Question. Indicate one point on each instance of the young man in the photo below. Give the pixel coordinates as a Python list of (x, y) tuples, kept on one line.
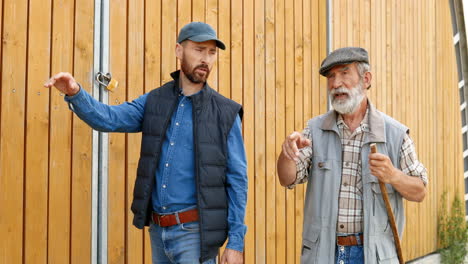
[(345, 220), (191, 185)]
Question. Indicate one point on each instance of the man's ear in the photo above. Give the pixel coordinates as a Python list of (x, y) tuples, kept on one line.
[(179, 51), (367, 80)]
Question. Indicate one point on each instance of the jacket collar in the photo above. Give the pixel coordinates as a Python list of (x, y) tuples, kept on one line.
[(199, 98), (376, 123)]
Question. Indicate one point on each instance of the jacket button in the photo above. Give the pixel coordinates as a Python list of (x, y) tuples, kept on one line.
[(320, 164)]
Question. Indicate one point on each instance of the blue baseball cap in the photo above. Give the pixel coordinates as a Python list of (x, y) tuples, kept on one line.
[(199, 32)]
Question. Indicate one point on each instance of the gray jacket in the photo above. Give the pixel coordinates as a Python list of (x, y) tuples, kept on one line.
[(321, 202)]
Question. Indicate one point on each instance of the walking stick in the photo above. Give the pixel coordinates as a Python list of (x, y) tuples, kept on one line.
[(391, 217)]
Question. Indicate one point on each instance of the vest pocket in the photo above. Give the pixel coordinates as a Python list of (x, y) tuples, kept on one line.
[(379, 211), (310, 248), (386, 252)]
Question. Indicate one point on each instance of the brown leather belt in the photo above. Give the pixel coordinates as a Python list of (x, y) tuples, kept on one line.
[(349, 240), (176, 218)]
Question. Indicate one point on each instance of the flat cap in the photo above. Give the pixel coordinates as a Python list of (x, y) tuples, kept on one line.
[(199, 32), (343, 56)]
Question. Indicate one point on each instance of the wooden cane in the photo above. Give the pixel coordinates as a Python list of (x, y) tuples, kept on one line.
[(391, 217)]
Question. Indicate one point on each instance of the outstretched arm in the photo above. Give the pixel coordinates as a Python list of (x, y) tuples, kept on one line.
[(126, 117)]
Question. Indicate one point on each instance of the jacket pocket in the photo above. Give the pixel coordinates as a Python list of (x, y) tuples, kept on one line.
[(379, 211), (310, 248), (386, 252)]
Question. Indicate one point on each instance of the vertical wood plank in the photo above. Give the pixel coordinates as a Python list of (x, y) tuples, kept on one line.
[(260, 132), (289, 105), (135, 70), (198, 10), (82, 138), (60, 156), (237, 46), (117, 194), (184, 16), (270, 134), (298, 114), (168, 39), (432, 113), (336, 24), (184, 13), (280, 84), (153, 27), (37, 120), (307, 69), (316, 56), (388, 58), (224, 56), (13, 107), (379, 62), (211, 15), (153, 66), (322, 17), (249, 140)]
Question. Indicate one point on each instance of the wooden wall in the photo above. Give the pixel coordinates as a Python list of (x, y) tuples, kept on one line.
[(45, 152), (414, 80), (274, 50)]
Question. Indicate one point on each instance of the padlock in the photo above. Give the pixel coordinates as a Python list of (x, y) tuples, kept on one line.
[(113, 84), (107, 81)]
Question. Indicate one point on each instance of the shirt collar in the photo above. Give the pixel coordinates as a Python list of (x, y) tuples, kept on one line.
[(363, 126), (375, 123), (199, 98)]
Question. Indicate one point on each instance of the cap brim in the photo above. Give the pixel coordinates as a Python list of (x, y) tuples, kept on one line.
[(324, 70), (203, 38)]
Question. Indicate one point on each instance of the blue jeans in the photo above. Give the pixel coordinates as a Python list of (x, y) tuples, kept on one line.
[(349, 255), (176, 244)]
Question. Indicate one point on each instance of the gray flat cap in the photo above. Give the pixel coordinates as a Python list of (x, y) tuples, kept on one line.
[(199, 32), (343, 56)]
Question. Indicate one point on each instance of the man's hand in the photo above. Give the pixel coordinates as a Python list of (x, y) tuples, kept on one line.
[(381, 167), (231, 256), (64, 82), (293, 143)]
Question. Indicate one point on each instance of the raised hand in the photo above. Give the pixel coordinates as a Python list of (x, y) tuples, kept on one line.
[(64, 82), (293, 143)]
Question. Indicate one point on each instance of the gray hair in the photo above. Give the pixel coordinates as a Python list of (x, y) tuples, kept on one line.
[(362, 68)]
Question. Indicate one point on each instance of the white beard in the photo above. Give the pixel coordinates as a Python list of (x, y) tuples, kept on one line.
[(350, 104)]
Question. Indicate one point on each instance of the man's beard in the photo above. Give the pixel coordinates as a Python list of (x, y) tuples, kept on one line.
[(192, 74), (349, 104)]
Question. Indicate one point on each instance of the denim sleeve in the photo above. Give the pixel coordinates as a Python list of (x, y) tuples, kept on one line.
[(236, 187), (126, 117)]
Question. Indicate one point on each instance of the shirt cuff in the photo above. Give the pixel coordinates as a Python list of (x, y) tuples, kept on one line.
[(236, 242), (77, 99), (73, 97)]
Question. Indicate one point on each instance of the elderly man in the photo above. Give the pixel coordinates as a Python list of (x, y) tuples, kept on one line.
[(191, 185), (345, 219)]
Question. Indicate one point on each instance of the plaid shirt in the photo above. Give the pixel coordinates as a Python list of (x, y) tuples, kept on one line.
[(350, 210)]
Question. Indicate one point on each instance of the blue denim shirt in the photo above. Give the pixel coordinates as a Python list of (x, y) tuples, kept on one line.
[(175, 176)]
